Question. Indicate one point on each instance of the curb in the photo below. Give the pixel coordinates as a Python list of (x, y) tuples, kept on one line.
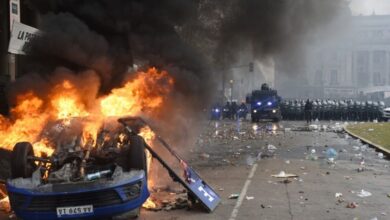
[(379, 147)]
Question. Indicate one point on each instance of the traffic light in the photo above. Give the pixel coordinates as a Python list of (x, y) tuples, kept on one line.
[(251, 67)]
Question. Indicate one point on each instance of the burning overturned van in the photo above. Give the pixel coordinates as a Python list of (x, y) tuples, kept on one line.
[(73, 158), (80, 179), (85, 180)]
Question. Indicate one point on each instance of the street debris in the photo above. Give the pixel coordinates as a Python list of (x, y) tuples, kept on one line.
[(355, 148), (338, 195), (312, 156), (364, 193), (204, 156), (271, 148), (165, 200), (234, 196), (380, 155), (250, 197), (331, 153), (313, 127), (352, 205), (283, 174)]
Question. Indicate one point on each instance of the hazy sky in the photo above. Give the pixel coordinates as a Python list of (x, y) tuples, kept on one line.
[(366, 7)]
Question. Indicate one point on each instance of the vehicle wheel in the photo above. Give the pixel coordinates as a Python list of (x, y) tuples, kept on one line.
[(21, 166), (137, 156), (133, 214)]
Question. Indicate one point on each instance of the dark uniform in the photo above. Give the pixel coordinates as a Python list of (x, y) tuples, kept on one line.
[(308, 111), (242, 111)]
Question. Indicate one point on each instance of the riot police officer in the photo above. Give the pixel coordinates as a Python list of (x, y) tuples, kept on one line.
[(308, 111)]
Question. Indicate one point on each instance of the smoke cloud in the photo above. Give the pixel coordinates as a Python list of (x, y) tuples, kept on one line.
[(185, 37), (275, 28)]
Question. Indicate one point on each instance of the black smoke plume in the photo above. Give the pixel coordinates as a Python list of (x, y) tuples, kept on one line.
[(275, 28), (109, 36)]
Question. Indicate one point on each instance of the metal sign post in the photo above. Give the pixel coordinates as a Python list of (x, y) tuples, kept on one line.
[(14, 15)]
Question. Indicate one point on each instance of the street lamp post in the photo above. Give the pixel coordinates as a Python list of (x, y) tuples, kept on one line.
[(231, 90)]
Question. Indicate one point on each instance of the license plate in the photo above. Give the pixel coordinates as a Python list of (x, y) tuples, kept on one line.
[(74, 210)]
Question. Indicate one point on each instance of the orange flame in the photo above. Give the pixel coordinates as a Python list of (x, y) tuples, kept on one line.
[(28, 123), (144, 93), (66, 101), (149, 204)]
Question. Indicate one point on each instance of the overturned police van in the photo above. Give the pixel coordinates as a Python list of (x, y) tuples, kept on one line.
[(80, 179), (102, 179)]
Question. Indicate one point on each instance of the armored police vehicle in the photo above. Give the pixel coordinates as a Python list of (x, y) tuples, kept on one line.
[(265, 104)]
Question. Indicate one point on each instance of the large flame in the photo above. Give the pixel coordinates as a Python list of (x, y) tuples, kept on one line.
[(66, 101), (26, 124), (144, 93)]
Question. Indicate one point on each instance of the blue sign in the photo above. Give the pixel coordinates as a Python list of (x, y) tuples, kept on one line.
[(203, 192)]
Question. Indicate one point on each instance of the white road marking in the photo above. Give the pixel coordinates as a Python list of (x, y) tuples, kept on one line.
[(248, 181)]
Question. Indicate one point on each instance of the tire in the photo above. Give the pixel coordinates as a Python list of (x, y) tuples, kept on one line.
[(137, 156), (21, 166)]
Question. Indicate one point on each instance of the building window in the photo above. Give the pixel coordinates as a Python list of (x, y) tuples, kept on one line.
[(377, 79), (318, 77), (334, 77), (379, 56), (378, 34), (362, 66)]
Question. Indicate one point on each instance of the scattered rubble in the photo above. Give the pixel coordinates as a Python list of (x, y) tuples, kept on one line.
[(352, 205), (338, 195), (283, 174), (364, 194), (271, 148), (166, 201), (234, 196), (204, 156)]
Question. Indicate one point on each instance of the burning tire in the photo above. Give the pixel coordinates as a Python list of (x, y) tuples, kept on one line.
[(134, 157), (21, 165), (137, 156)]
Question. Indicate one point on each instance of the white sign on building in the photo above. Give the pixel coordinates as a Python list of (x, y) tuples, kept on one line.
[(21, 35), (14, 12)]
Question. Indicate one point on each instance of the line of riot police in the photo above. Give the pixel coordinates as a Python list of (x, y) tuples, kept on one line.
[(229, 111), (346, 110)]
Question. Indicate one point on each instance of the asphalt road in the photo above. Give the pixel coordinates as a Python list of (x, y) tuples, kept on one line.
[(234, 158), (224, 156)]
